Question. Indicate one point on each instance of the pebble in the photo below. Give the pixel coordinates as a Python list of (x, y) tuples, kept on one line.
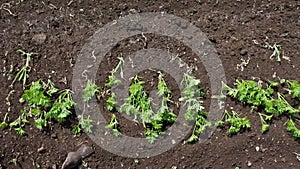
[(257, 148), (41, 149), (249, 164), (54, 166), (53, 136), (243, 52), (39, 39)]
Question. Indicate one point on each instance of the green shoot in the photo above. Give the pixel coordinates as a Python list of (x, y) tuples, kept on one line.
[(19, 123), (112, 80), (138, 102), (163, 116), (111, 102), (49, 87), (4, 124), (20, 131), (235, 122), (89, 91), (192, 96), (76, 129), (151, 135), (250, 92), (35, 95), (282, 81), (113, 124), (291, 127), (162, 87), (276, 52), (40, 123), (61, 107), (84, 123), (294, 88), (263, 119), (22, 75)]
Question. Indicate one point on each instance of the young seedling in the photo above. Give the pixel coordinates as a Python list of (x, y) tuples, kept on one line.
[(192, 95), (112, 80), (163, 116), (250, 92), (138, 103), (236, 123), (19, 123), (38, 99), (89, 91), (294, 88), (4, 124), (61, 107), (263, 119), (49, 87), (113, 124), (291, 127), (163, 90), (22, 75), (111, 102), (276, 52), (35, 95), (85, 124)]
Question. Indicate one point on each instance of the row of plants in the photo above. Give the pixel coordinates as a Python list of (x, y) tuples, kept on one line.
[(266, 99), (43, 103), (138, 105)]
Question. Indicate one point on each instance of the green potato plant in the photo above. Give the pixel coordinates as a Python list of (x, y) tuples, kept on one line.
[(250, 92)]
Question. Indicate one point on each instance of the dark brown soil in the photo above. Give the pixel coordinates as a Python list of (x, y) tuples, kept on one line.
[(238, 29)]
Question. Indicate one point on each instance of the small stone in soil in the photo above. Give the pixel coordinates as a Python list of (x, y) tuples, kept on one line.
[(243, 52), (41, 149), (53, 136), (39, 39), (54, 166)]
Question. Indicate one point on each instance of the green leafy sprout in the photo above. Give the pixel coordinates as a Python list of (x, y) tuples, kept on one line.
[(89, 91), (111, 102), (113, 125), (112, 80), (263, 119), (276, 52), (291, 127), (4, 124), (84, 123), (138, 102), (163, 116), (192, 95), (236, 123), (22, 75)]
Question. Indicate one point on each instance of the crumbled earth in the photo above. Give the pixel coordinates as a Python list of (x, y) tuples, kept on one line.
[(239, 30)]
